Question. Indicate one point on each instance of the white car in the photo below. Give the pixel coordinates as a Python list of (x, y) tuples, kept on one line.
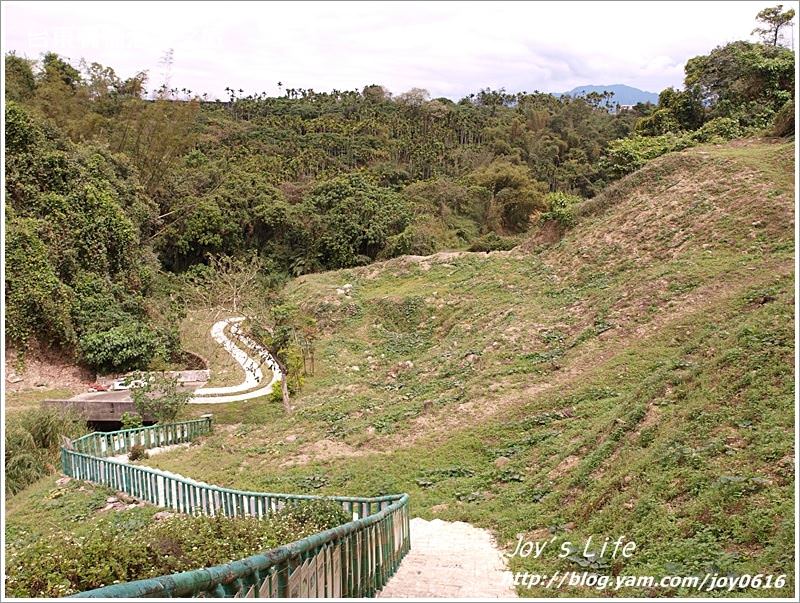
[(122, 384)]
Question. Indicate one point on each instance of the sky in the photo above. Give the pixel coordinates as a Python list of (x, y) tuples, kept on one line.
[(448, 48)]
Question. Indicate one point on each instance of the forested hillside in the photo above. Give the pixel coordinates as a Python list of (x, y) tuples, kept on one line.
[(119, 193)]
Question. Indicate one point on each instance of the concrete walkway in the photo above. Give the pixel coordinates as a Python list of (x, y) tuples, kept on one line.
[(449, 560), (253, 376)]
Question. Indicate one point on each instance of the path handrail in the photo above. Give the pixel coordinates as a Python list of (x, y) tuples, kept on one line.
[(355, 559)]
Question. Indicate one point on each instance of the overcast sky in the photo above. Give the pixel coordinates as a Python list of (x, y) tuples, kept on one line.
[(449, 48)]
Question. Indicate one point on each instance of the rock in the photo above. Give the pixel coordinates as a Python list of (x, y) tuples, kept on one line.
[(291, 438), (13, 378), (404, 365), (112, 499), (125, 498), (370, 430), (163, 515), (131, 506), (63, 481), (355, 369), (501, 461)]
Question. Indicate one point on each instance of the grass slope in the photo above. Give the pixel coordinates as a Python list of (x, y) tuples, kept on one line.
[(634, 378)]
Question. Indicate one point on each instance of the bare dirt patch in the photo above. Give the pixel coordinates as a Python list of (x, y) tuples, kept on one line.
[(566, 465), (323, 450), (43, 369)]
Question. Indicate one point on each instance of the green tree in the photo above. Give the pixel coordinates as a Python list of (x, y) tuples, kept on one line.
[(743, 80), (56, 69), (20, 82), (661, 121), (351, 219), (513, 195), (774, 19)]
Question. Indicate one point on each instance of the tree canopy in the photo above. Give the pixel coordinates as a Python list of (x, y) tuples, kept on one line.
[(118, 195)]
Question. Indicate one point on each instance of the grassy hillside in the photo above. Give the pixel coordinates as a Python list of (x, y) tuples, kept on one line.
[(633, 378)]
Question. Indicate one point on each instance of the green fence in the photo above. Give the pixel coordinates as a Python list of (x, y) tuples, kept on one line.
[(352, 560)]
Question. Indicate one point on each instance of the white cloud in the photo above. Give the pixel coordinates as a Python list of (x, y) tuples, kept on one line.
[(450, 48)]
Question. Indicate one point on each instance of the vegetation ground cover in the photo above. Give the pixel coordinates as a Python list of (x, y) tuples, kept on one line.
[(83, 545)]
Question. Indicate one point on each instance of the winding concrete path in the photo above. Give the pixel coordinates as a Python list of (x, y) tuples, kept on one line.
[(253, 375)]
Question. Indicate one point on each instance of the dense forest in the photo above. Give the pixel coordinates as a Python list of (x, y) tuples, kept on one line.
[(118, 195)]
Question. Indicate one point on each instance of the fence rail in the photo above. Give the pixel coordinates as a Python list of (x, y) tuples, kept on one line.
[(352, 560)]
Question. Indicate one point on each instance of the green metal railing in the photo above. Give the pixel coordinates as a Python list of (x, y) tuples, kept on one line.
[(352, 560)]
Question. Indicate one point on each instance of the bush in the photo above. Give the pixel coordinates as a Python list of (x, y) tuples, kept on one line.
[(661, 121), (33, 442), (126, 347), (131, 420), (137, 453), (158, 397), (125, 547), (560, 209), (783, 123), (717, 130), (308, 518), (626, 155), (275, 394), (493, 242)]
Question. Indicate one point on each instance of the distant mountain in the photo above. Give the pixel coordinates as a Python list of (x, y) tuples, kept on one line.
[(624, 95)]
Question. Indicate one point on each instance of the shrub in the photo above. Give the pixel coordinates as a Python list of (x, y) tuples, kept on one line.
[(126, 347), (560, 209), (126, 546), (137, 453), (33, 442), (275, 394), (157, 396), (717, 130), (661, 121), (493, 242), (308, 518), (131, 420), (783, 123), (626, 155)]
